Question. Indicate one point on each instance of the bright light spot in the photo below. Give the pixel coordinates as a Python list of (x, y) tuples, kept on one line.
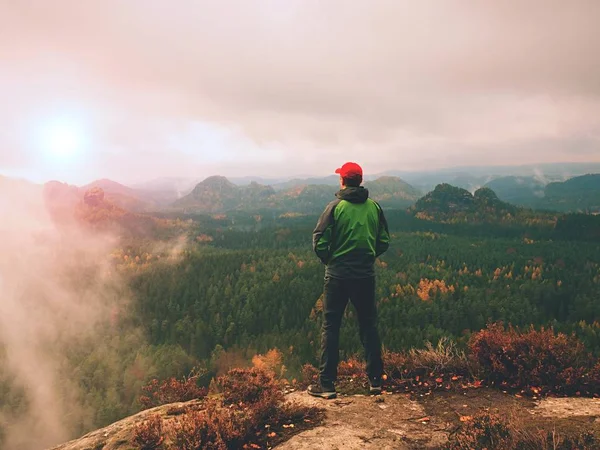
[(62, 139)]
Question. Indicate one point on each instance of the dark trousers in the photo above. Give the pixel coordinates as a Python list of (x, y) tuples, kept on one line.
[(361, 292)]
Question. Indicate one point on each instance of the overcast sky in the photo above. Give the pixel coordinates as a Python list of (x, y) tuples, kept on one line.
[(137, 89)]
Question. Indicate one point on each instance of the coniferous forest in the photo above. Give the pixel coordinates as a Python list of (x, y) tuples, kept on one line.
[(239, 284)]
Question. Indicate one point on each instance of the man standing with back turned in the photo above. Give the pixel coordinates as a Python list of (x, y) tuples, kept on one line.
[(350, 234)]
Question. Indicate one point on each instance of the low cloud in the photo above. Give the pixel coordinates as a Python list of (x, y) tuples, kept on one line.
[(297, 86), (56, 288)]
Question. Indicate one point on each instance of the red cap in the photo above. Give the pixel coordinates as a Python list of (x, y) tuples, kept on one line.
[(350, 169)]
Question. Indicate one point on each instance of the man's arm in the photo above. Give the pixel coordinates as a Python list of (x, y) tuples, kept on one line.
[(323, 233), (383, 235)]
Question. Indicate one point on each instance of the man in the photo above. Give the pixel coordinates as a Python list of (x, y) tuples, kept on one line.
[(350, 234)]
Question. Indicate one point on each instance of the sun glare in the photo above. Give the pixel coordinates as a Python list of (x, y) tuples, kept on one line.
[(62, 139)]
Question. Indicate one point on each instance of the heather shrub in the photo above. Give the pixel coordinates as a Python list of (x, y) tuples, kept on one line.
[(172, 390), (534, 361), (250, 399), (310, 374), (352, 367), (213, 428), (254, 390), (538, 359), (419, 369), (249, 386), (394, 365), (148, 435), (352, 377), (193, 431)]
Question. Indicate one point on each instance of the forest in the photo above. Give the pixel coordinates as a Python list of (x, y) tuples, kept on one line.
[(252, 290), (241, 284)]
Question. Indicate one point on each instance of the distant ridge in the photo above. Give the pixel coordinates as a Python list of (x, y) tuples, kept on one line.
[(577, 194), (218, 194), (568, 187), (519, 190)]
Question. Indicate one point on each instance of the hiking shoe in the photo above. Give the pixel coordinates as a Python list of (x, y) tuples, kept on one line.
[(323, 391), (375, 386)]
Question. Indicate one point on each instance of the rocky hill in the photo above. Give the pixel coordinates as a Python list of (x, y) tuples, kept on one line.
[(94, 209), (393, 421), (450, 204), (446, 199), (123, 196), (217, 194), (117, 194)]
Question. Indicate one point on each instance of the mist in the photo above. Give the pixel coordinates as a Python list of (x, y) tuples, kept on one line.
[(57, 290)]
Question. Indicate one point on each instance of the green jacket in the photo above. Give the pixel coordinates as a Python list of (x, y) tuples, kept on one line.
[(350, 234)]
